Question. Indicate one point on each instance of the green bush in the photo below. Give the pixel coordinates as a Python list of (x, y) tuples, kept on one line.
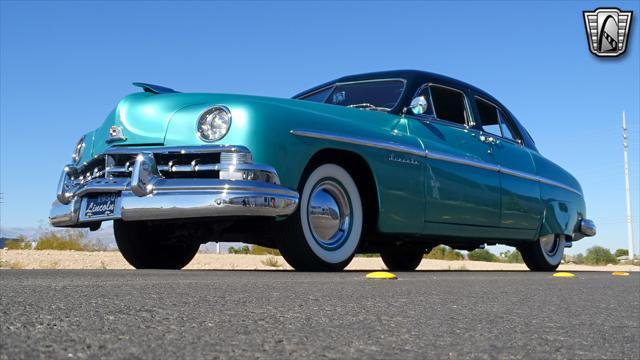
[(241, 250), (598, 255), (71, 239), (442, 252), (261, 250), (482, 255), (512, 257), (621, 252), (20, 243)]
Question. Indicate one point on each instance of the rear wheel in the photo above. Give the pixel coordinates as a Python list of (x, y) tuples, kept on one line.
[(402, 257), (154, 246), (545, 254), (324, 232)]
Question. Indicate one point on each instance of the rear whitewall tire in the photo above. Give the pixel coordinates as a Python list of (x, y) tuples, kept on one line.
[(545, 254)]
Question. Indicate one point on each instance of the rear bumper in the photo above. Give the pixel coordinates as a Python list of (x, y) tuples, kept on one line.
[(145, 194), (585, 228)]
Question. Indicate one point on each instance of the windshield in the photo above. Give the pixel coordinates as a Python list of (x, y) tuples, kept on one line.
[(380, 95)]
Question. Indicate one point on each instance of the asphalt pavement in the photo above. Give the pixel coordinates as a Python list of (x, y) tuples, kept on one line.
[(91, 314)]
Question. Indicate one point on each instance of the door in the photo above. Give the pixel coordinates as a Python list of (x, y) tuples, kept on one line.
[(520, 190), (461, 177)]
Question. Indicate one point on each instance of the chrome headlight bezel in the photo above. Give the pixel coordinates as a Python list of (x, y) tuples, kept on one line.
[(78, 151), (210, 130)]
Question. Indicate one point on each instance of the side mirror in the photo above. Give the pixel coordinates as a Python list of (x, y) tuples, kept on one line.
[(418, 105)]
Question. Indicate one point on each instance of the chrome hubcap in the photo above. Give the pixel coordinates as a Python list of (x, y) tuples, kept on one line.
[(550, 244), (329, 214)]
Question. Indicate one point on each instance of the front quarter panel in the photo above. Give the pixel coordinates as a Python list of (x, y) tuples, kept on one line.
[(264, 125)]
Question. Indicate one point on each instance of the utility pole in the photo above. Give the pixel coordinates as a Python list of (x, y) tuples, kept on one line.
[(627, 187), (218, 246)]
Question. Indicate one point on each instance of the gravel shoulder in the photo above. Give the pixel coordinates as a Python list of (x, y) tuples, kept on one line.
[(55, 259)]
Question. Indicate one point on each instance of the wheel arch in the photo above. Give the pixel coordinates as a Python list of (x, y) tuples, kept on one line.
[(362, 174)]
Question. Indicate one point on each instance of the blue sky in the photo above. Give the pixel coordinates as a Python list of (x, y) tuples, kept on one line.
[(64, 65)]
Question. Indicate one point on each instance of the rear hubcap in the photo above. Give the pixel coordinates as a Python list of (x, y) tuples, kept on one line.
[(550, 244)]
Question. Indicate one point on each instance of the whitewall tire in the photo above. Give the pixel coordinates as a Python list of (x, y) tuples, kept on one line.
[(324, 232), (545, 254)]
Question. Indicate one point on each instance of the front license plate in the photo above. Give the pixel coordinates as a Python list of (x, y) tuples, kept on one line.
[(100, 206)]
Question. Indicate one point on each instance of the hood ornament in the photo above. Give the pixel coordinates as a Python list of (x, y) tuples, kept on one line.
[(116, 134)]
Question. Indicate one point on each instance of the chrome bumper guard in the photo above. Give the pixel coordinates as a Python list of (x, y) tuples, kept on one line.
[(176, 189), (587, 227), (584, 228)]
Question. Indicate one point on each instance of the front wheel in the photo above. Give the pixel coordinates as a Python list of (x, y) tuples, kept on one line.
[(154, 246), (545, 254), (324, 232)]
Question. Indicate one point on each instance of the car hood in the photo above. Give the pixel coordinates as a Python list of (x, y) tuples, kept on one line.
[(143, 119)]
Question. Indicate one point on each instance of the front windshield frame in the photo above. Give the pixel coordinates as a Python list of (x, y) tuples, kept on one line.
[(335, 86)]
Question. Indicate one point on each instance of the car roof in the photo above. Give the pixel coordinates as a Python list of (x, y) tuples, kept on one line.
[(416, 78), (412, 77)]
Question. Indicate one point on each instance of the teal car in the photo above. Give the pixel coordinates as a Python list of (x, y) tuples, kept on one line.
[(393, 162)]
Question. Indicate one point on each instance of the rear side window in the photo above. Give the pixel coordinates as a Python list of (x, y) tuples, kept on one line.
[(493, 120), (449, 104)]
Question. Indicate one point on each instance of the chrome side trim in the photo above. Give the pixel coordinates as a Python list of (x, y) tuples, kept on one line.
[(384, 145), (434, 155), (557, 184), (461, 161), (176, 149)]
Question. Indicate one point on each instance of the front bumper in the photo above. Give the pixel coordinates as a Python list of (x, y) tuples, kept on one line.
[(174, 187)]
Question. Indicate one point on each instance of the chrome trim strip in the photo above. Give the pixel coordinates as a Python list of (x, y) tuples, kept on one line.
[(206, 149), (557, 184), (461, 161), (520, 174), (384, 145)]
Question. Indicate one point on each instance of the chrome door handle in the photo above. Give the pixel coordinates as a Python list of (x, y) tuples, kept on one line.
[(488, 139)]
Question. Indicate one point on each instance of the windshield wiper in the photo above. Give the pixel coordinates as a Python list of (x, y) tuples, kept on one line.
[(368, 106)]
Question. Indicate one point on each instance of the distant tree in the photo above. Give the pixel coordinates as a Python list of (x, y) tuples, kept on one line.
[(21, 243), (621, 252), (578, 258), (598, 255), (482, 255), (261, 250), (442, 252), (241, 250), (70, 239), (511, 256)]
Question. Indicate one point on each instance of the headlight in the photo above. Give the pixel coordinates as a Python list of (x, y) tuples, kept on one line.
[(214, 123), (78, 151)]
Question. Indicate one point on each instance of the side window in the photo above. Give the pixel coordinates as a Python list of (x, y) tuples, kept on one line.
[(449, 104), (489, 117), (504, 126), (494, 121), (318, 96)]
